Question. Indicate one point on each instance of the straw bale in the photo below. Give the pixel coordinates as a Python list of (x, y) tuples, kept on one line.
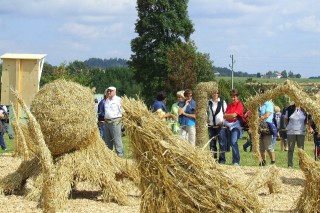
[(309, 200), (65, 111), (288, 88), (175, 176), (202, 91)]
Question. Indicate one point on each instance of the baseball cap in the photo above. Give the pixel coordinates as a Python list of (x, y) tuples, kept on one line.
[(111, 88)]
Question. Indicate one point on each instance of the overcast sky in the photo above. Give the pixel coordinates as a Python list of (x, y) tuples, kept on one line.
[(262, 35)]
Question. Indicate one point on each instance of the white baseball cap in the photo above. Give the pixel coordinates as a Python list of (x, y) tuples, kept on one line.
[(111, 88)]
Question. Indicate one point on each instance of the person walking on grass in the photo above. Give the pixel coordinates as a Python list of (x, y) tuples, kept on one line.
[(113, 115), (187, 118), (3, 117), (216, 108), (296, 120), (265, 142), (232, 131)]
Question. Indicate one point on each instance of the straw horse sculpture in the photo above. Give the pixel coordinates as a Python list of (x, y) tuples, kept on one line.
[(63, 135), (309, 200)]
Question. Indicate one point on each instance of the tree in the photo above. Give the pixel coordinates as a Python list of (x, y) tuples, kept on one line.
[(290, 74), (258, 75), (160, 25), (187, 67), (284, 74)]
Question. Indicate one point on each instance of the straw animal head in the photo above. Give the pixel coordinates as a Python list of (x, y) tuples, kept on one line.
[(66, 113)]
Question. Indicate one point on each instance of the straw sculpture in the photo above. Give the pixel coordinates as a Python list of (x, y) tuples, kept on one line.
[(288, 88), (309, 200), (202, 91), (265, 177), (63, 134), (176, 177), (21, 149)]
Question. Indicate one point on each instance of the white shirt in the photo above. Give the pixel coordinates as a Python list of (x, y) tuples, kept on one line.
[(296, 125), (113, 108), (219, 117)]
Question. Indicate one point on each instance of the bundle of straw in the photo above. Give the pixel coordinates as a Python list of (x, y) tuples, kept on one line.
[(176, 177), (202, 91), (309, 200), (66, 114)]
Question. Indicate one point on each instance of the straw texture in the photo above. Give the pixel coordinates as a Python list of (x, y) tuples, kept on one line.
[(80, 155), (175, 176), (309, 200), (202, 92)]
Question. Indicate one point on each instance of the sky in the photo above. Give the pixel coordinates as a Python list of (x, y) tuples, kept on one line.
[(262, 35)]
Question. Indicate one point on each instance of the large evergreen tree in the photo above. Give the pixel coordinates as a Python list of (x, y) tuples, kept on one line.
[(160, 25)]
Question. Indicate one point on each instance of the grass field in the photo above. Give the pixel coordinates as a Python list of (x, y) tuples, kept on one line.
[(267, 80), (247, 158)]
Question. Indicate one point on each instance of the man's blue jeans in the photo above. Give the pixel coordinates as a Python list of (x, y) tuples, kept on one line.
[(113, 136)]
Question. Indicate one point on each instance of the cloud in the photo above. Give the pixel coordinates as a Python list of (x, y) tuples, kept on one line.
[(80, 7), (309, 24)]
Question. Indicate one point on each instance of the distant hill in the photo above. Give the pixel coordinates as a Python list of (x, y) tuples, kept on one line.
[(106, 63)]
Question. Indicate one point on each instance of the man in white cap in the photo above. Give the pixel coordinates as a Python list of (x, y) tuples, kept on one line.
[(113, 115)]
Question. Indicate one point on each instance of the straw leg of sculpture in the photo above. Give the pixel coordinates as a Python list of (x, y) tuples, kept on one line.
[(309, 199), (17, 180)]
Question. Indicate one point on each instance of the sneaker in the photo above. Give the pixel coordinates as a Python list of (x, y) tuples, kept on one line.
[(236, 164), (273, 162)]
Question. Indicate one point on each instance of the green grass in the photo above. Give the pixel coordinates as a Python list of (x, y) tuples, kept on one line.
[(267, 80), (9, 144), (247, 158)]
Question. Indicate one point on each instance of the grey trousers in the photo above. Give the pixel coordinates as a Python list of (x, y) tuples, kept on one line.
[(292, 139)]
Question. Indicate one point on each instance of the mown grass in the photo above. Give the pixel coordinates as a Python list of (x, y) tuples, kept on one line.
[(247, 158)]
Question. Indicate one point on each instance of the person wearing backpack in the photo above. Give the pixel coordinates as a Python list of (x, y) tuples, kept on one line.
[(296, 120), (215, 112)]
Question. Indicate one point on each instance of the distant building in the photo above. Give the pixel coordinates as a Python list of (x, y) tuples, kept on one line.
[(276, 75), (216, 74)]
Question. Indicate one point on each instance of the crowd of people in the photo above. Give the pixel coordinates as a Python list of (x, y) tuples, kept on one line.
[(227, 122)]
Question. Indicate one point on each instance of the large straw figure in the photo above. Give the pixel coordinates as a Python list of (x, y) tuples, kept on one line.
[(63, 134), (176, 177)]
